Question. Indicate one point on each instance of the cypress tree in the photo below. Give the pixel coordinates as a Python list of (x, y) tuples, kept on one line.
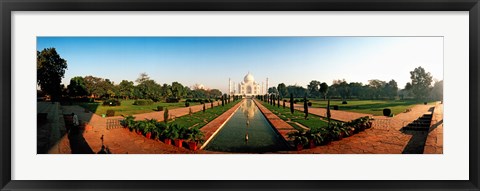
[(165, 115), (223, 101), (328, 112), (291, 103), (305, 106), (204, 107), (278, 101)]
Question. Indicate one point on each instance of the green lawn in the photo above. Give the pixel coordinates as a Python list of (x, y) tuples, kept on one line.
[(127, 108), (374, 107), (297, 116), (200, 119)]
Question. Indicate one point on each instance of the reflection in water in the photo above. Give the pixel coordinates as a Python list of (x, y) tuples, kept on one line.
[(248, 108), (247, 131)]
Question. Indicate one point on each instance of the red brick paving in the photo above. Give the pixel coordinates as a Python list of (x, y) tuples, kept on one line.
[(120, 140), (282, 127), (434, 142)]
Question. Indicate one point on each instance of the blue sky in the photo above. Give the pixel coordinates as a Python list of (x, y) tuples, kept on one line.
[(211, 61)]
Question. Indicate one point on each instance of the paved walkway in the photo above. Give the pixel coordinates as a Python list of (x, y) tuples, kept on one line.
[(118, 140), (434, 142)]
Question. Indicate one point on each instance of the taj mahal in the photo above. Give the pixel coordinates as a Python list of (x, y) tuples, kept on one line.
[(248, 87)]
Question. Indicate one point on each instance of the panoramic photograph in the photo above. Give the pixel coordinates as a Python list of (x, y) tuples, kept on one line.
[(239, 95)]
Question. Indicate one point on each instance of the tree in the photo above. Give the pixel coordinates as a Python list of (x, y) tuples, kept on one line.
[(391, 89), (77, 87), (149, 89), (377, 88), (324, 90), (94, 86), (282, 90), (50, 71), (329, 115), (437, 91), (291, 103), (178, 90), (296, 90), (215, 92), (421, 82), (314, 88), (341, 87), (272, 90), (126, 89), (305, 106), (142, 78)]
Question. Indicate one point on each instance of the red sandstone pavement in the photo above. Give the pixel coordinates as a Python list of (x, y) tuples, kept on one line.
[(434, 143), (282, 127), (120, 140)]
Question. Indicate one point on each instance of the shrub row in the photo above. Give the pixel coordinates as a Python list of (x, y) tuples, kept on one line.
[(143, 102), (199, 100), (324, 135), (161, 131)]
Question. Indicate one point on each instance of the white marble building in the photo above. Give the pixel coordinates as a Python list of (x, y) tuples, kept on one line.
[(248, 87)]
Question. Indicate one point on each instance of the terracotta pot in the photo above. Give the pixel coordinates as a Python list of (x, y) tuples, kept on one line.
[(311, 144), (299, 147), (351, 132), (148, 135), (192, 146), (178, 142), (168, 141)]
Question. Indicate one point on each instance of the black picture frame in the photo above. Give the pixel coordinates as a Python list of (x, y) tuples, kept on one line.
[(7, 6)]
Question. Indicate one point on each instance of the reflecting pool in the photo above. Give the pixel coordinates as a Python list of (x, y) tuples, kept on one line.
[(247, 131)]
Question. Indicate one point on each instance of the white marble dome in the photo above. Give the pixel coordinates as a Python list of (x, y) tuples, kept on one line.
[(248, 78)]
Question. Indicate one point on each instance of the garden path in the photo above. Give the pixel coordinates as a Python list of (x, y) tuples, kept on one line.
[(118, 140)]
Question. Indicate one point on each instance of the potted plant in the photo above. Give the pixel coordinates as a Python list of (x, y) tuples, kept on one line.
[(182, 135), (299, 139), (128, 122), (314, 137), (168, 134), (139, 127), (195, 136), (149, 128)]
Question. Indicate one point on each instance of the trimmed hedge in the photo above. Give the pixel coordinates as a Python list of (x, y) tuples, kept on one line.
[(143, 102), (172, 100), (387, 112), (110, 113)]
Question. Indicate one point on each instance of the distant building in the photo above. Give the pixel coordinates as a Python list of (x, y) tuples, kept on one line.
[(247, 88)]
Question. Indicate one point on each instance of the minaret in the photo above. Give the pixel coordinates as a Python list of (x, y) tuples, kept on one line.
[(229, 86), (266, 88)]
